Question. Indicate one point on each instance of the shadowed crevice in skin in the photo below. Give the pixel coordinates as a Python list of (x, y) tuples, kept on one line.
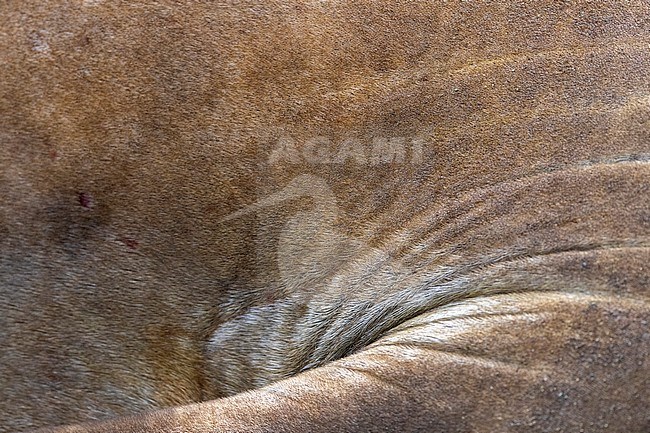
[(371, 321), (387, 292), (333, 330), (493, 389)]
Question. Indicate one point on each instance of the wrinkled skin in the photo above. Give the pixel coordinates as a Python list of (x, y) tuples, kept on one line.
[(159, 249)]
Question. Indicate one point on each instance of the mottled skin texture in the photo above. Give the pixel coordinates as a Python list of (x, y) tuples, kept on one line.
[(499, 284)]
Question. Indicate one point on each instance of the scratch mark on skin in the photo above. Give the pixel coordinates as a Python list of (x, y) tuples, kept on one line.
[(86, 200), (130, 242)]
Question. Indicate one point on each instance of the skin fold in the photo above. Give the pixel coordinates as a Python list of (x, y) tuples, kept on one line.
[(324, 216)]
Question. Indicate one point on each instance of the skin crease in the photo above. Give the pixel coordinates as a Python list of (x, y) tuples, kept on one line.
[(199, 231)]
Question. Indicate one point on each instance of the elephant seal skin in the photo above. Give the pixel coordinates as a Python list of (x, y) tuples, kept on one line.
[(324, 216)]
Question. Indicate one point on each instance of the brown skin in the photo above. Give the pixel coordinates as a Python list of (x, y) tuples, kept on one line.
[(500, 283)]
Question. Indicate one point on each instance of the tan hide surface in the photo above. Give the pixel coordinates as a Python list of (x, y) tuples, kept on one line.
[(325, 216)]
